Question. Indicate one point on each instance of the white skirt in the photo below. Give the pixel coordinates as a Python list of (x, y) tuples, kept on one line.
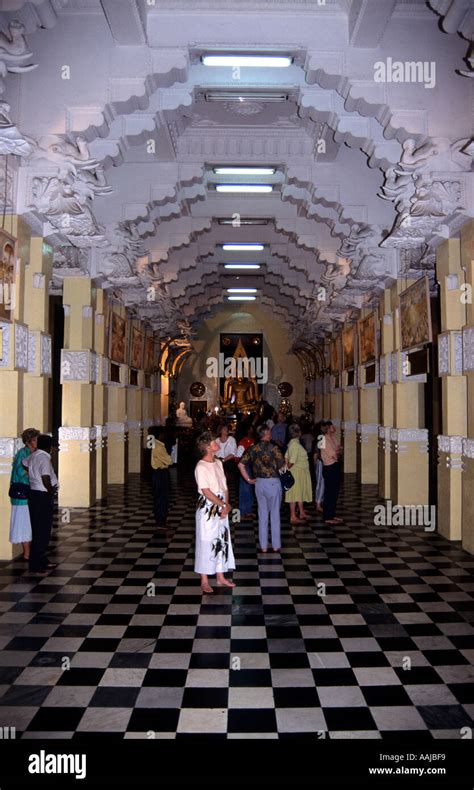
[(214, 552), (20, 525)]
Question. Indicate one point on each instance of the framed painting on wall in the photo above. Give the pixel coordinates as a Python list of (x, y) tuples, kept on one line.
[(335, 355), (8, 247), (118, 349), (415, 315), (149, 361), (136, 348), (348, 346), (368, 338)]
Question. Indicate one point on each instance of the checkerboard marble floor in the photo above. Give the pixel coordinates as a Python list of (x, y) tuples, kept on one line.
[(352, 631)]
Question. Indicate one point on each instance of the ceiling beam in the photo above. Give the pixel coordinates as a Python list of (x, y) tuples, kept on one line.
[(368, 20), (125, 21)]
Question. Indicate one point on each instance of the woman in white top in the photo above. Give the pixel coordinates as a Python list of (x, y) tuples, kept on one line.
[(213, 543), (227, 452)]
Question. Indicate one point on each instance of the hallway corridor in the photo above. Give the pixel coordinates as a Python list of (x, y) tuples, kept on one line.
[(277, 657)]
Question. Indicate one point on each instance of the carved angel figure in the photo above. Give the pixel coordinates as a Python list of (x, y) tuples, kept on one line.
[(11, 139)]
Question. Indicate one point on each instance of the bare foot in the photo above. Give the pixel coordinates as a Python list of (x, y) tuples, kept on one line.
[(206, 588), (225, 582)]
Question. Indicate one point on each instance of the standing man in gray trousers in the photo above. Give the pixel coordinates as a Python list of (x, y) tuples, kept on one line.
[(265, 459)]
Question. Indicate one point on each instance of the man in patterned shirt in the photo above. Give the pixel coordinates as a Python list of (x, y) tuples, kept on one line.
[(265, 459)]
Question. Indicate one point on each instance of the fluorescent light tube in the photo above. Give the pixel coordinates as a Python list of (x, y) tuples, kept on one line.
[(243, 221), (248, 61), (241, 298), (250, 188), (241, 290), (244, 171), (243, 247), (241, 266), (259, 96)]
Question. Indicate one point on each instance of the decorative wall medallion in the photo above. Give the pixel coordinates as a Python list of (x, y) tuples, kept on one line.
[(285, 389), (75, 366), (46, 355), (32, 341), (457, 335), (468, 448), (197, 389), (450, 444), (443, 355), (5, 330), (21, 346), (383, 362), (95, 367), (468, 348)]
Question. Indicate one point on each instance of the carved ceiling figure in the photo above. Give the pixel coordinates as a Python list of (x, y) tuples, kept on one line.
[(74, 161), (15, 44), (14, 51), (61, 207), (184, 327), (358, 233), (337, 272), (11, 139), (435, 198), (412, 157), (397, 187)]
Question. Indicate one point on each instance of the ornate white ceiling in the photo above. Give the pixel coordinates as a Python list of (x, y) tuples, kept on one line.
[(112, 139)]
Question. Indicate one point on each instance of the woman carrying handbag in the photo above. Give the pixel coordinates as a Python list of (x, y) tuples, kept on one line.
[(20, 524)]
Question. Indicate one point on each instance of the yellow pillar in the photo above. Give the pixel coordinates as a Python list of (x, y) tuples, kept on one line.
[(77, 436), (454, 389), (117, 429), (386, 392), (25, 364), (350, 412), (467, 263), (99, 391), (408, 437), (368, 425), (134, 423), (36, 379)]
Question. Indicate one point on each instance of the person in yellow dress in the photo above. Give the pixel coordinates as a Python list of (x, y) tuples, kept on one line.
[(296, 459)]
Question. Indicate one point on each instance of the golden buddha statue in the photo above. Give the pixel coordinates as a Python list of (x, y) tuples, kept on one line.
[(240, 392)]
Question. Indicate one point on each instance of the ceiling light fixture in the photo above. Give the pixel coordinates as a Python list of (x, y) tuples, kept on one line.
[(243, 247), (243, 221), (241, 290), (244, 171), (258, 96), (248, 61), (241, 266), (241, 298), (259, 189)]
